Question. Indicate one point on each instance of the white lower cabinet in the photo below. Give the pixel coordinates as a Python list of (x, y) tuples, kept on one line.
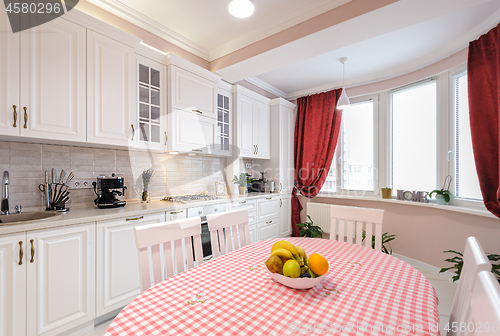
[(118, 280), (285, 216), (176, 214), (267, 229), (252, 229), (268, 207), (13, 284), (60, 279)]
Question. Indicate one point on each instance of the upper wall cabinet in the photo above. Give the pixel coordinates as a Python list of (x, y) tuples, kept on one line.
[(111, 91), (225, 132), (45, 81), (253, 123)]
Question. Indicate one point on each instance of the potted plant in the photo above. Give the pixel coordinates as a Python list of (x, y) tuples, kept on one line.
[(458, 263), (443, 195), (386, 239), (308, 229), (241, 182), (386, 193)]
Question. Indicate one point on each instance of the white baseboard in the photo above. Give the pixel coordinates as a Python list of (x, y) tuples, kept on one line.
[(429, 268)]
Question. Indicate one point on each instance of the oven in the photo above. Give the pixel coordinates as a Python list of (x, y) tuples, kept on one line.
[(202, 212)]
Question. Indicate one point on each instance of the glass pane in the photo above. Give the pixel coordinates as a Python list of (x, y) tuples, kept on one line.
[(155, 77), (220, 115), (226, 144), (155, 113), (226, 103), (144, 111), (219, 100), (155, 98), (226, 129), (414, 138), (466, 181), (144, 95), (144, 131), (155, 133), (226, 117), (357, 146), (219, 128), (143, 74)]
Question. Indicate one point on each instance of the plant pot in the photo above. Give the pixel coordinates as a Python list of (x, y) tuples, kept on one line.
[(440, 200), (386, 193), (243, 190)]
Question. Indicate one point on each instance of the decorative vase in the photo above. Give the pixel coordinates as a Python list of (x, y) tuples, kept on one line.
[(243, 190), (145, 196), (440, 200), (386, 193)]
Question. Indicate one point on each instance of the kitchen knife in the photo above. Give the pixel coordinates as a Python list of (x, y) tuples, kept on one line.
[(47, 195), (52, 187), (59, 186)]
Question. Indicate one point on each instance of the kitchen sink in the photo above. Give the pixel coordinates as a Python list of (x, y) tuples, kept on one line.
[(27, 217)]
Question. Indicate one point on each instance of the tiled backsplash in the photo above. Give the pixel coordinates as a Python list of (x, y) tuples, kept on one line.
[(174, 174)]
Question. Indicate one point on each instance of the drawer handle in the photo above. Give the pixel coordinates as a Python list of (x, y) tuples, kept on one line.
[(243, 202), (15, 116), (198, 111), (21, 254), (25, 117), (269, 198), (134, 219), (197, 150), (269, 222), (176, 212), (32, 252)]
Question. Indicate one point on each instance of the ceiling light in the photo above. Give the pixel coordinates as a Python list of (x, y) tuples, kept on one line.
[(241, 8), (343, 101)]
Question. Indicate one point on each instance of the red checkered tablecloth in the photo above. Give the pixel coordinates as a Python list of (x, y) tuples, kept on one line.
[(365, 292)]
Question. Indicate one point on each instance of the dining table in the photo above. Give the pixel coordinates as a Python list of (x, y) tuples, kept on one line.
[(364, 292)]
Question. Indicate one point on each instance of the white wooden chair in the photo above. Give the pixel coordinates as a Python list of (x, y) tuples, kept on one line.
[(158, 238), (484, 308), (351, 221), (475, 261), (228, 231)]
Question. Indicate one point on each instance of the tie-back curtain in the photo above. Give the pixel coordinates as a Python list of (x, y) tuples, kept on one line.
[(483, 76), (316, 133)]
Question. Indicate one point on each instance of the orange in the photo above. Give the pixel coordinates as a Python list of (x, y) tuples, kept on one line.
[(318, 264)]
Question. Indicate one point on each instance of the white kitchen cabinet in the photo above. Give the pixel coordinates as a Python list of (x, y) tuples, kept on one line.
[(151, 104), (176, 214), (189, 132), (223, 145), (60, 279), (13, 258), (250, 205), (267, 208), (253, 230), (53, 82), (9, 80), (267, 229), (253, 123), (111, 91), (285, 218), (118, 281)]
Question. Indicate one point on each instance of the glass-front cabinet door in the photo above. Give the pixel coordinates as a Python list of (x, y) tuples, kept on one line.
[(224, 129), (151, 131)]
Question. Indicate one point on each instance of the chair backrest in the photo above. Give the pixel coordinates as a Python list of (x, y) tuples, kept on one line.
[(350, 221), (475, 261), (157, 239), (482, 316), (228, 231)]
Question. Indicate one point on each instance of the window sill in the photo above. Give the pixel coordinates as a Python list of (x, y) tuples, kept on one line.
[(455, 208)]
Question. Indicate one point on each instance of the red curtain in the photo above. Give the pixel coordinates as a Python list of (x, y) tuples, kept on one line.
[(483, 76), (316, 133)]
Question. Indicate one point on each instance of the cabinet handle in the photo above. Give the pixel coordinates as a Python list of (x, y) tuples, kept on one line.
[(21, 254), (243, 202), (133, 131), (257, 149), (269, 222), (198, 111), (197, 150), (281, 202), (32, 252), (269, 198), (25, 117), (281, 187), (166, 138), (15, 116), (134, 219), (176, 212)]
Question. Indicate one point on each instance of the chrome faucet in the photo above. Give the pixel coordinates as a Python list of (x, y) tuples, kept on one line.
[(4, 209)]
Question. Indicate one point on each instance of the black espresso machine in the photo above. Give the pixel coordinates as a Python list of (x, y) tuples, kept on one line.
[(106, 189)]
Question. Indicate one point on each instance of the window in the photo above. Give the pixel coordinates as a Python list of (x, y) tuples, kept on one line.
[(414, 137), (466, 181), (356, 143)]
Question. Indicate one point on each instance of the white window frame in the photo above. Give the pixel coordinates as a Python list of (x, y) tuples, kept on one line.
[(337, 159)]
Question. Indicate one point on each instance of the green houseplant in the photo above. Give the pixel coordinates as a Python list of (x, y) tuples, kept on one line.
[(241, 182), (458, 264), (386, 239), (443, 195), (308, 229)]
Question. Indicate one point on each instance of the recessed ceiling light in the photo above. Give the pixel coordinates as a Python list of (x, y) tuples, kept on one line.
[(241, 8)]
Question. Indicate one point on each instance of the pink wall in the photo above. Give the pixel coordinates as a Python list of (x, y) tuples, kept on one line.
[(423, 233)]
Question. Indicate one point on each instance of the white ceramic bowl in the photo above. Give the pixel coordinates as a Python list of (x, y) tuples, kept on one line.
[(297, 283)]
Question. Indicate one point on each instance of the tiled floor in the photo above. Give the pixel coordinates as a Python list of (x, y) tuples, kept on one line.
[(445, 290)]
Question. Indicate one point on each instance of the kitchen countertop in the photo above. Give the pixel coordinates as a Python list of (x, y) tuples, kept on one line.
[(88, 215)]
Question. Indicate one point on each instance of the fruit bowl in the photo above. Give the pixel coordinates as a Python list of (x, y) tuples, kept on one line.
[(297, 283)]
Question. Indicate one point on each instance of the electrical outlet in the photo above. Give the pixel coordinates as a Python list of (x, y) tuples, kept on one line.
[(248, 166), (81, 184)]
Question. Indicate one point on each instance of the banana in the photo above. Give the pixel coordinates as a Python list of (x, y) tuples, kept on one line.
[(281, 252), (283, 244), (312, 274), (301, 252)]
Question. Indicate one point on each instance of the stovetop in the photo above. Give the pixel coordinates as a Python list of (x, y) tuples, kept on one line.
[(203, 196)]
